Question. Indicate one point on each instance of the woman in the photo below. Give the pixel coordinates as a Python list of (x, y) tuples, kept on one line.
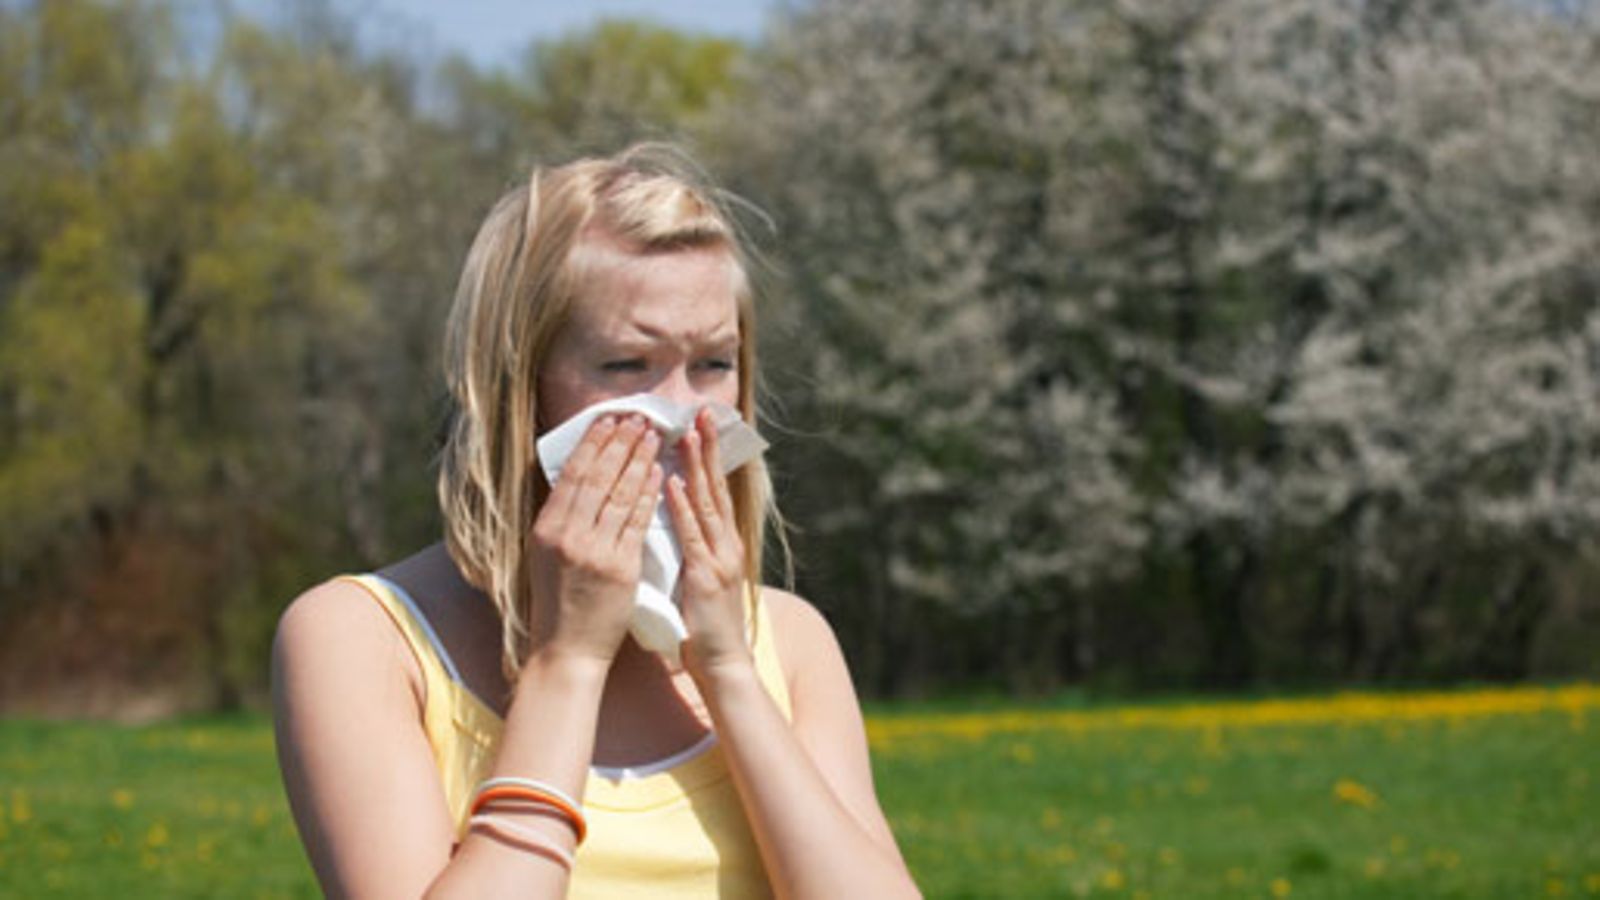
[(458, 723)]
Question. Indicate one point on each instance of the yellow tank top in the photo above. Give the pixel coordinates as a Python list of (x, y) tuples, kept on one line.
[(680, 832)]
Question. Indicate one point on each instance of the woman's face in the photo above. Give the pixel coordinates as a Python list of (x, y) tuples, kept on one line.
[(665, 323)]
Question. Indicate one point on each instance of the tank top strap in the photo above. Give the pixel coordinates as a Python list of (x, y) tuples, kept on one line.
[(438, 670), (769, 667)]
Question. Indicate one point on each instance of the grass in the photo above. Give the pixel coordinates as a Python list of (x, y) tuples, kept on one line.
[(1475, 794)]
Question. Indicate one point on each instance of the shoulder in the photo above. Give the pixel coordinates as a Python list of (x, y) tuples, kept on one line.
[(793, 613), (337, 632), (336, 608), (807, 647), (798, 627)]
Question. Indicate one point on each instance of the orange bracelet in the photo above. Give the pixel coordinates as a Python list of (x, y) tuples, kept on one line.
[(518, 792)]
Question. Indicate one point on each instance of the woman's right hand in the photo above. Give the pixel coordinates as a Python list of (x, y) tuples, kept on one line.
[(588, 542)]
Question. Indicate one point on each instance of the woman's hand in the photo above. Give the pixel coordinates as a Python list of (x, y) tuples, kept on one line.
[(711, 584), (587, 544)]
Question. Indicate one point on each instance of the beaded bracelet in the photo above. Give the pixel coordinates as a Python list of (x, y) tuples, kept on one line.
[(535, 792), (526, 838)]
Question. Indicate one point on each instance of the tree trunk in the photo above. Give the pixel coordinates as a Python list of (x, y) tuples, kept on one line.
[(1230, 653), (1505, 648)]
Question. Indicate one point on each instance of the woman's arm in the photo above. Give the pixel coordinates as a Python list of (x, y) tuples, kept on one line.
[(808, 791), (807, 788), (356, 763)]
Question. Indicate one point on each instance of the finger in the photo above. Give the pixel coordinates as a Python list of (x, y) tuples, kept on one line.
[(631, 536), (562, 492), (596, 480), (690, 536), (699, 486), (619, 504), (713, 452)]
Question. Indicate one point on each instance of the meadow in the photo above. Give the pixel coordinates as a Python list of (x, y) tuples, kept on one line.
[(1462, 794)]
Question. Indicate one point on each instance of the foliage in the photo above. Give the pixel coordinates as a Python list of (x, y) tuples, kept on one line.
[(1282, 306)]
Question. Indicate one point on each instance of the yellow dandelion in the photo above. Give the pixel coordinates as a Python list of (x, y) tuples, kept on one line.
[(1443, 859), (1354, 793), (1555, 887), (1375, 866), (1399, 713), (260, 815), (21, 809), (157, 836), (1591, 882), (122, 798), (1113, 880), (1281, 887)]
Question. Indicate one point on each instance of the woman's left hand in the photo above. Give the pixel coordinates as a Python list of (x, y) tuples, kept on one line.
[(711, 584)]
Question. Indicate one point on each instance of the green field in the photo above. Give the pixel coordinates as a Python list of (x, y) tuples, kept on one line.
[(1468, 794)]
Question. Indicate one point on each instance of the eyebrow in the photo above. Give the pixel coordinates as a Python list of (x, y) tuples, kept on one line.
[(719, 336)]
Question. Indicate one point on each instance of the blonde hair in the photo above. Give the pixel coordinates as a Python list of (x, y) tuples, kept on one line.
[(517, 289)]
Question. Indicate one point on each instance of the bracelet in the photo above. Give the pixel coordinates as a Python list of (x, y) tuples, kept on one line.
[(526, 838), (529, 783), (540, 795)]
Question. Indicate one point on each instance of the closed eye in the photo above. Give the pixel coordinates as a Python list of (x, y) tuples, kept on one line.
[(624, 365)]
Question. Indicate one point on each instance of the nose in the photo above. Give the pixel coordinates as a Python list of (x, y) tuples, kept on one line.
[(675, 386)]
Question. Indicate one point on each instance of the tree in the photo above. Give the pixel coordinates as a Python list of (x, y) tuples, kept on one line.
[(932, 333), (163, 297), (1236, 240)]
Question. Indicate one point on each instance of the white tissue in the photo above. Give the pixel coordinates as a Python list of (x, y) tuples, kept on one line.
[(657, 625)]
